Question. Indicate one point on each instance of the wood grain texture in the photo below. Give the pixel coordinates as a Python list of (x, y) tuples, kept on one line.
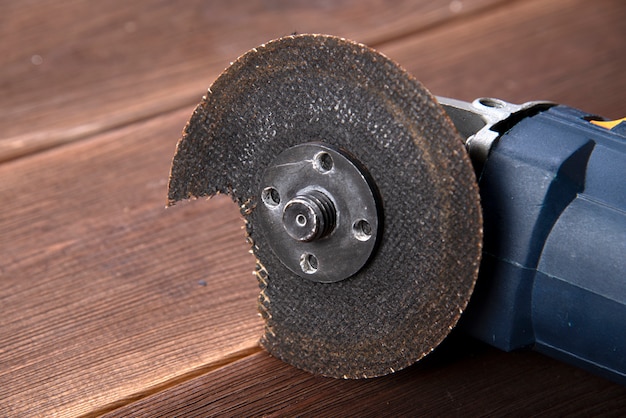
[(106, 294), (260, 385), (109, 300), (567, 51), (75, 68)]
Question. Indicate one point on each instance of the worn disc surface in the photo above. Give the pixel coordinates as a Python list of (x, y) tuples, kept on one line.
[(410, 294)]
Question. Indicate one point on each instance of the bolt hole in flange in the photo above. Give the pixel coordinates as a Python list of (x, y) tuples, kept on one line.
[(323, 162), (320, 213), (362, 230), (270, 197), (308, 263)]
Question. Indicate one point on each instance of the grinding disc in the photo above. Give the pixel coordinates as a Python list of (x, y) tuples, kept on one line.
[(311, 88)]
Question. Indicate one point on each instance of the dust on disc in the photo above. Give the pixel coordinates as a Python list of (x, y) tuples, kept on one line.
[(309, 88)]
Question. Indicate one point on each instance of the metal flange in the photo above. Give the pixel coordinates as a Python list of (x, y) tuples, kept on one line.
[(319, 211)]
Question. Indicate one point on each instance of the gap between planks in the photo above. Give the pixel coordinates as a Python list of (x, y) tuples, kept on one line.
[(178, 380)]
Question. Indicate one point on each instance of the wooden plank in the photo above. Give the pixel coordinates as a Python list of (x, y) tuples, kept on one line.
[(497, 383), (102, 290), (570, 52), (72, 69), (105, 294), (461, 378)]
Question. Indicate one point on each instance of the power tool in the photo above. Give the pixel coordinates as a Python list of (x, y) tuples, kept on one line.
[(381, 217)]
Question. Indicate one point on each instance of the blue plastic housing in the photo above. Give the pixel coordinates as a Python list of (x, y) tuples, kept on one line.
[(553, 275)]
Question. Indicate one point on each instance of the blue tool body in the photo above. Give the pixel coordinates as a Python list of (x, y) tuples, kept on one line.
[(553, 274)]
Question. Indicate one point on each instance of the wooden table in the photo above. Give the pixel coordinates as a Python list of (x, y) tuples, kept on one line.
[(111, 304)]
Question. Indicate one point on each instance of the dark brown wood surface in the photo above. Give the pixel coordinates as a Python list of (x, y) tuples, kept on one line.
[(71, 69), (112, 304)]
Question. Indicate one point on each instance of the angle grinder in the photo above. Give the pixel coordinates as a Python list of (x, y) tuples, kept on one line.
[(381, 217)]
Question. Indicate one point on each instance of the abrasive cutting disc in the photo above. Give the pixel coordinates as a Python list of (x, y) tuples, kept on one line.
[(320, 89)]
